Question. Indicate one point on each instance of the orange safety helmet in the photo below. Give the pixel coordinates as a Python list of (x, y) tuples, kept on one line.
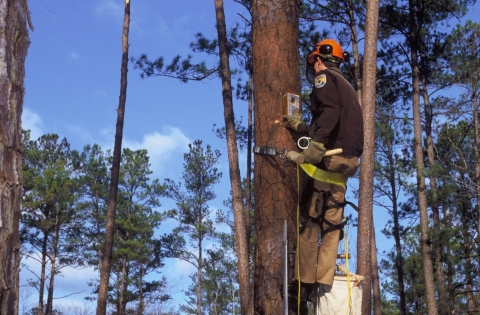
[(328, 49)]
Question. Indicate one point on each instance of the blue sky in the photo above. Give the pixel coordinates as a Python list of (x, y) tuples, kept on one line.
[(73, 82)]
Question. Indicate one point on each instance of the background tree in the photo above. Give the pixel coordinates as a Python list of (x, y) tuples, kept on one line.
[(193, 213), (14, 45), (52, 226), (117, 150)]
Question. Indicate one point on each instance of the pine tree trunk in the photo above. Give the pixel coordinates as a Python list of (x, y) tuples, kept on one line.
[(53, 260), (420, 168), (121, 298), (276, 72), (396, 235), (14, 42), (234, 169), (356, 55), (365, 202), (439, 277), (41, 285), (477, 155), (117, 151), (140, 292), (199, 277), (467, 251)]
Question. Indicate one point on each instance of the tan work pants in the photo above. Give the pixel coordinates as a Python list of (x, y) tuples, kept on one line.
[(317, 262)]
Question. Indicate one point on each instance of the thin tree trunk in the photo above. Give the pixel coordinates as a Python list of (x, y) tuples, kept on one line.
[(53, 260), (14, 42), (448, 262), (248, 192), (466, 244), (121, 298), (233, 165), (140, 293), (365, 202), (276, 72), (396, 234), (99, 236), (356, 56), (199, 277), (377, 305), (117, 151), (41, 285), (477, 158), (421, 190), (437, 245)]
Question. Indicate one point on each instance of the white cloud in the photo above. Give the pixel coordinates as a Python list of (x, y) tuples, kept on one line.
[(165, 147), (109, 8), (32, 121)]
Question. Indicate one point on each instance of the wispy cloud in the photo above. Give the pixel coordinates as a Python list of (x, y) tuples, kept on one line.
[(163, 147), (33, 122)]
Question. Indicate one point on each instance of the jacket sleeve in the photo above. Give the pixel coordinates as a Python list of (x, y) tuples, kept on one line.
[(326, 101)]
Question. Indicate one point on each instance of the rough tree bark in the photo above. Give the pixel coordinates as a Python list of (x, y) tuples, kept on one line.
[(365, 203), (276, 72), (14, 42), (117, 151), (233, 165)]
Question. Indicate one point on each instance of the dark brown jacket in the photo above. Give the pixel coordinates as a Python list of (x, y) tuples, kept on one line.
[(337, 120)]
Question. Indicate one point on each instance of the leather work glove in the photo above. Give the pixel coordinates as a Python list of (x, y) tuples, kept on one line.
[(295, 157), (314, 153), (293, 120)]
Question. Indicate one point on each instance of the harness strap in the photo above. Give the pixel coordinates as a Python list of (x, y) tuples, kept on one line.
[(324, 176)]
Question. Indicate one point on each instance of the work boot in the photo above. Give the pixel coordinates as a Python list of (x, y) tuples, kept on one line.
[(308, 291)]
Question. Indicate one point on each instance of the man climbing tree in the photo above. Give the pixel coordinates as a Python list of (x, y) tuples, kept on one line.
[(336, 124)]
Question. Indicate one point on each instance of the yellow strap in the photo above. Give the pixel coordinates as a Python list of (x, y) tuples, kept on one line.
[(324, 176)]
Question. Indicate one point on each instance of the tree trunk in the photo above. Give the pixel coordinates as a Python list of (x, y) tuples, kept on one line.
[(117, 151), (439, 277), (365, 202), (248, 189), (53, 260), (420, 168), (466, 244), (356, 56), (121, 297), (233, 165), (14, 42), (140, 293), (396, 235), (477, 156), (199, 277), (275, 59), (41, 285)]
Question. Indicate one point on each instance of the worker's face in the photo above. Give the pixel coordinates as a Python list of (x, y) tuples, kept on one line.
[(318, 65)]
